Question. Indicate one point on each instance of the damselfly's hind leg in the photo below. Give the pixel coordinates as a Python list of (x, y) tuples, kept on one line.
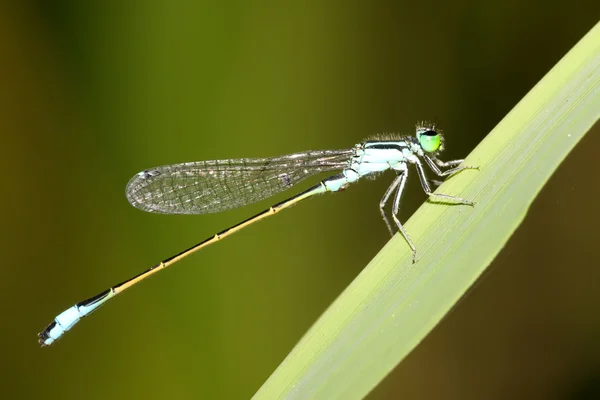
[(427, 189), (396, 207), (384, 200)]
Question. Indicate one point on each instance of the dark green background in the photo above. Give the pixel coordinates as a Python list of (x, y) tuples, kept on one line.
[(92, 93)]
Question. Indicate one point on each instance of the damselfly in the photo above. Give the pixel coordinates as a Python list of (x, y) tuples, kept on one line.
[(213, 186)]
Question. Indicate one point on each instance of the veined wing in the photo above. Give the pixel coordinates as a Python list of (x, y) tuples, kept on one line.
[(212, 186)]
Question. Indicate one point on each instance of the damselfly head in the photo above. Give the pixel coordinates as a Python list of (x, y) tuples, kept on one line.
[(430, 137)]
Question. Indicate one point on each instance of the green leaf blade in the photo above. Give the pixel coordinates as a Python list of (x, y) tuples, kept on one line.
[(392, 305)]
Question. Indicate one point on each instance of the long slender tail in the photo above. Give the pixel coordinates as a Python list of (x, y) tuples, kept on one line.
[(68, 318)]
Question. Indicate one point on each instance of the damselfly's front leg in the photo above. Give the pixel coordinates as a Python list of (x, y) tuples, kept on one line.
[(435, 163), (427, 189), (446, 164)]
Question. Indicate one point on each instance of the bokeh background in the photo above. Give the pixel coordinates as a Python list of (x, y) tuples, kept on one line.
[(93, 92)]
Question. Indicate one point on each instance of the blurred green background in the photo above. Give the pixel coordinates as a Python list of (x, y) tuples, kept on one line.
[(94, 92)]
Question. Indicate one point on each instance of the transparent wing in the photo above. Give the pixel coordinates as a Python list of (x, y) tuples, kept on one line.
[(211, 186)]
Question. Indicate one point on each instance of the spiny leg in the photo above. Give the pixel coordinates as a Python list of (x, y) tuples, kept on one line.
[(454, 163), (384, 200), (395, 209), (427, 189), (444, 164)]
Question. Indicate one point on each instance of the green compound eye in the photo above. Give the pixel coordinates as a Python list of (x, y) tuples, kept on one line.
[(430, 141)]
